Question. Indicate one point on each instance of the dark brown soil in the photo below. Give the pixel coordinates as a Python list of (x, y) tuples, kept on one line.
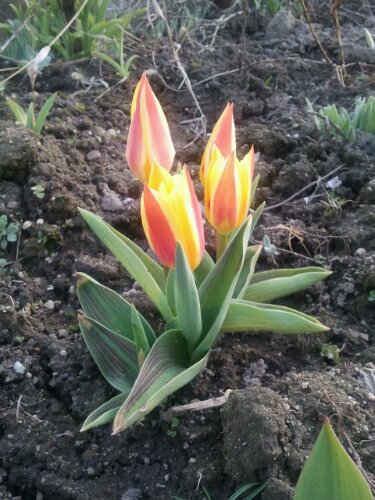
[(283, 386)]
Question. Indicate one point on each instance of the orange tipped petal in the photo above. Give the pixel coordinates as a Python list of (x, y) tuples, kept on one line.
[(224, 200), (149, 137), (223, 136), (157, 228)]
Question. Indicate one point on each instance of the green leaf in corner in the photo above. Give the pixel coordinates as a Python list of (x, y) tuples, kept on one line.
[(138, 264), (108, 308), (115, 356), (217, 289), (267, 286), (187, 300), (330, 473), (105, 413), (249, 316), (164, 371)]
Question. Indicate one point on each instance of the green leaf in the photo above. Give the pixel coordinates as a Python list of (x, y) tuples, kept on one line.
[(141, 342), (248, 268), (267, 286), (206, 265), (170, 291), (187, 300), (164, 371), (105, 413), (246, 316), (30, 117), (330, 473), (108, 308), (254, 186), (115, 356), (135, 261), (43, 113), (17, 111), (218, 287), (246, 488), (255, 216)]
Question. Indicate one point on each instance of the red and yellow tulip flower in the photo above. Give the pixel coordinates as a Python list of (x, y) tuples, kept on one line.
[(149, 138), (171, 213), (227, 190), (223, 137)]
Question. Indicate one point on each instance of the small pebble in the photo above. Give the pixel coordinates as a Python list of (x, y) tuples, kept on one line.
[(63, 353), (50, 305), (13, 205), (360, 252), (19, 368), (146, 460), (93, 155), (40, 222), (27, 224), (90, 471)]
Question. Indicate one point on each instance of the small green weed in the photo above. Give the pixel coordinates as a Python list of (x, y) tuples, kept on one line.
[(8, 233), (28, 118)]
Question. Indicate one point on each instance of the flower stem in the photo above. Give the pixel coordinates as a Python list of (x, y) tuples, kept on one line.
[(221, 244)]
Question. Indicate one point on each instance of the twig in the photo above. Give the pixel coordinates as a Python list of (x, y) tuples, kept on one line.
[(338, 69), (215, 76), (186, 79), (197, 405), (18, 409), (336, 20), (318, 180)]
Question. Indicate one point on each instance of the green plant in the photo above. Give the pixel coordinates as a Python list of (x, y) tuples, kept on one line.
[(341, 123), (272, 6), (197, 297), (171, 432), (330, 352), (8, 232), (121, 66), (330, 473), (28, 118), (371, 296), (38, 191)]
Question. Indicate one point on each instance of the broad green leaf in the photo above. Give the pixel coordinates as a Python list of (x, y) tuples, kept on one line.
[(206, 265), (108, 308), (164, 371), (218, 287), (246, 316), (248, 268), (187, 300), (330, 473), (267, 286), (105, 413), (140, 339), (17, 111), (135, 261), (42, 115), (115, 356)]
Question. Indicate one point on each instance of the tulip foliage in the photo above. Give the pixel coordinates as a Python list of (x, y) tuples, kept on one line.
[(198, 297)]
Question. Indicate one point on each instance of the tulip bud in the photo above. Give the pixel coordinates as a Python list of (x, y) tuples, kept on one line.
[(149, 138), (223, 137), (227, 190), (171, 213)]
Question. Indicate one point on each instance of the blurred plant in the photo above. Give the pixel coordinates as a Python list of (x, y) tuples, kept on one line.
[(121, 66), (369, 39), (371, 296), (330, 473), (8, 232), (238, 494), (171, 432), (197, 298), (330, 352), (341, 123), (28, 118), (45, 20), (272, 6)]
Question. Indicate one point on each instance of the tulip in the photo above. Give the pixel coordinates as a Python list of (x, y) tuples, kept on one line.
[(223, 137), (227, 190), (149, 138), (171, 213)]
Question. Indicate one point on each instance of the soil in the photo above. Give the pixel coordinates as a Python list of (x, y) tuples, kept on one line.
[(282, 386)]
